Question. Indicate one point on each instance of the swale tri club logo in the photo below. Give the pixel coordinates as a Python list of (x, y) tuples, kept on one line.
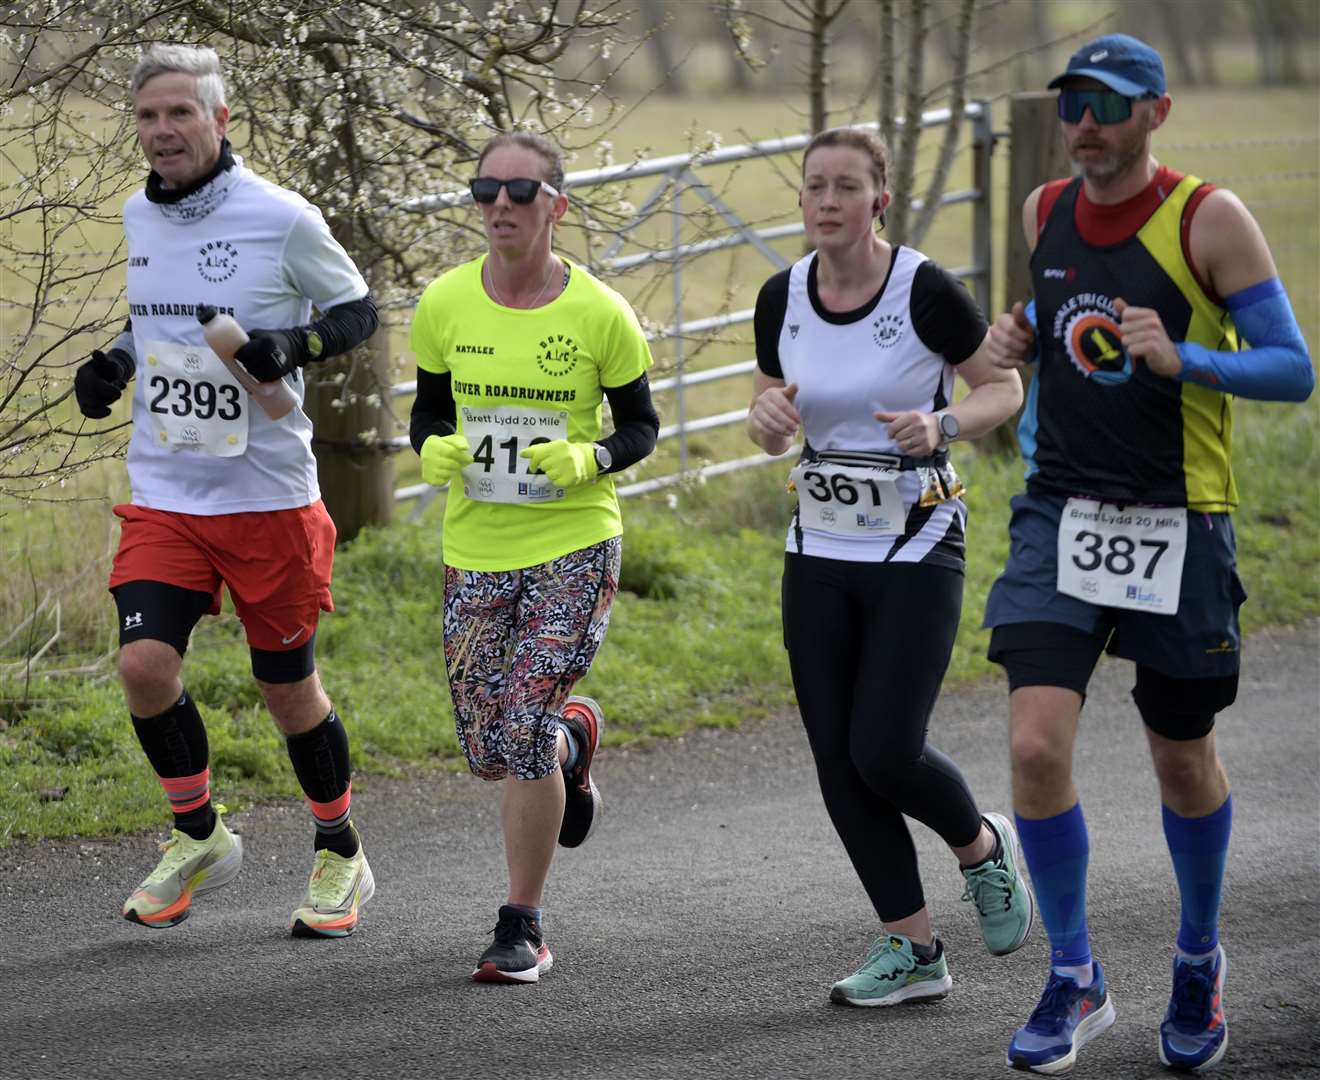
[(556, 354), (888, 329), (1086, 325), (218, 262)]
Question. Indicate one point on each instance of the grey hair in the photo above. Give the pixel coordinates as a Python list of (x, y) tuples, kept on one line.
[(203, 63)]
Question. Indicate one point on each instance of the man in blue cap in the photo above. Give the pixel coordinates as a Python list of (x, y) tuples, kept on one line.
[(1148, 286)]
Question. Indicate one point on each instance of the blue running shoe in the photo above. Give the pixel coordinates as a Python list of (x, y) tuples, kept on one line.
[(1066, 1019), (1194, 1034)]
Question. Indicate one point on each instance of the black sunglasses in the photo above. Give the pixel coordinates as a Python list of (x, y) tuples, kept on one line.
[(486, 189), (1107, 106)]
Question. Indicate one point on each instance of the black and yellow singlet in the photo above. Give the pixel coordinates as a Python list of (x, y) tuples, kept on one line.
[(1104, 425)]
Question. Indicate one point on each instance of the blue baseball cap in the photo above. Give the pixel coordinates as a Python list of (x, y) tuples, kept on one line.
[(1122, 63)]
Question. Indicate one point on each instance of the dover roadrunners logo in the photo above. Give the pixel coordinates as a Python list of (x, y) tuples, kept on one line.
[(1086, 326), (219, 261), (557, 354), (888, 329)]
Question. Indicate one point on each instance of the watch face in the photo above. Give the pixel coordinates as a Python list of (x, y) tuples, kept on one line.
[(314, 345), (604, 458), (949, 426)]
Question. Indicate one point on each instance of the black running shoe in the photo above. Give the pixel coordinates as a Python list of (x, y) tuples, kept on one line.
[(519, 953), (582, 799)]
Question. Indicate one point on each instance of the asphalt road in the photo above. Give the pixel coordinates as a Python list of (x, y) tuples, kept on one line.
[(696, 934)]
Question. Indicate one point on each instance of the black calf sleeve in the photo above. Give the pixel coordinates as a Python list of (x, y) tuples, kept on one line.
[(175, 741)]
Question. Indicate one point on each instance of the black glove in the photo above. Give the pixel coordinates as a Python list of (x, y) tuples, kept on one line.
[(100, 381), (272, 354)]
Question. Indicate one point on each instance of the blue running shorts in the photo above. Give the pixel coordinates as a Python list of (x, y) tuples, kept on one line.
[(1201, 641)]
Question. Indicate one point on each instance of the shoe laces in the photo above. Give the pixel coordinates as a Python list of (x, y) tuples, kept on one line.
[(515, 929), (1193, 989), (1052, 1009), (332, 875), (989, 886), (884, 959), (176, 851)]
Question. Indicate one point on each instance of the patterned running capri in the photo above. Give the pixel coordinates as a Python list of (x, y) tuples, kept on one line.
[(516, 641)]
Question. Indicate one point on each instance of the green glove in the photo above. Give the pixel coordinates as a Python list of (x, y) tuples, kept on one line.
[(442, 457), (567, 464)]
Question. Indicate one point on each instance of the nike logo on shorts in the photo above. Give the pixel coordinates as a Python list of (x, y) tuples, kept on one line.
[(292, 637)]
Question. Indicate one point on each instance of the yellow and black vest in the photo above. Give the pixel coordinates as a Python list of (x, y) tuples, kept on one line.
[(1106, 426)]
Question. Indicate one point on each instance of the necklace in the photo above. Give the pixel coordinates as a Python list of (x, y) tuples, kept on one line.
[(495, 293)]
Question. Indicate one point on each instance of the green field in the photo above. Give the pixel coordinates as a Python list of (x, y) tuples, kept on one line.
[(695, 638)]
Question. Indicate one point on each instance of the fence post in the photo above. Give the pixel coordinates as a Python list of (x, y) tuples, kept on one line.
[(983, 146), (676, 217), (1035, 155)]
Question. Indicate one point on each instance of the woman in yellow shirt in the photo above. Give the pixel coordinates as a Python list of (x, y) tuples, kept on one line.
[(516, 350)]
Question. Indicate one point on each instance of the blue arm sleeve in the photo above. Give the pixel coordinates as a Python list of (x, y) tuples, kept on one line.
[(1275, 367), (1026, 431)]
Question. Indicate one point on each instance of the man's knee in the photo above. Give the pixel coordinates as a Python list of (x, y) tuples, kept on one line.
[(1186, 766), (296, 707), (150, 669), (1042, 732)]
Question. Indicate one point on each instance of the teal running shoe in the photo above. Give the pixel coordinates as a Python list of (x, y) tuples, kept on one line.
[(892, 974), (999, 891)]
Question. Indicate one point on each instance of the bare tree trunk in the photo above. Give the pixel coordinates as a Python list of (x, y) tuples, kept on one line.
[(1175, 38), (888, 90), (1040, 20), (818, 65), (660, 41), (347, 402), (962, 50), (1210, 16), (906, 155), (1286, 21), (1263, 30)]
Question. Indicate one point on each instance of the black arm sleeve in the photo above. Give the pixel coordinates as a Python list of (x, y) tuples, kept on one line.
[(636, 423), (345, 326), (433, 411), (768, 322), (944, 314)]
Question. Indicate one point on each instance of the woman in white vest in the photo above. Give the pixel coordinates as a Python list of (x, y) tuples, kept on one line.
[(857, 344)]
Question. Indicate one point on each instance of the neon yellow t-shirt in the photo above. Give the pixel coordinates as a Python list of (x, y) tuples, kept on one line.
[(519, 375)]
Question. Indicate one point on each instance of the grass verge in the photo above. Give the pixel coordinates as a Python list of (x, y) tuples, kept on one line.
[(695, 639)]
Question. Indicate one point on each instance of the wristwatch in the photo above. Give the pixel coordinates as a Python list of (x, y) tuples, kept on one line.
[(949, 426), (314, 345), (604, 459)]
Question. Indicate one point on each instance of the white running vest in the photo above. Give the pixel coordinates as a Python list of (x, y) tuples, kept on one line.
[(845, 372), (266, 255)]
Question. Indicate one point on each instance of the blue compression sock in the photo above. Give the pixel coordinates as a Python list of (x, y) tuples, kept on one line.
[(1057, 851), (1199, 848)]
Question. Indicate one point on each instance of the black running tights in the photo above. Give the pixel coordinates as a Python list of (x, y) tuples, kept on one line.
[(868, 644)]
